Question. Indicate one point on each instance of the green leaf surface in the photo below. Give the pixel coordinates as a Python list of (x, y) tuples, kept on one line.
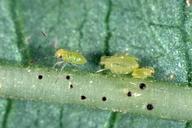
[(157, 32)]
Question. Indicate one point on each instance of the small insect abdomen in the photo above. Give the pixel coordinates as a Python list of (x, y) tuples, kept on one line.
[(142, 73), (75, 58), (120, 64), (70, 57)]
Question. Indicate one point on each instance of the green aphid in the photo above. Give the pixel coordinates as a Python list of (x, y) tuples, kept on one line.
[(126, 64), (120, 64), (70, 57), (142, 73)]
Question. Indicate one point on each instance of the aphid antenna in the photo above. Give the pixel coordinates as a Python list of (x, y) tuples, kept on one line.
[(44, 33)]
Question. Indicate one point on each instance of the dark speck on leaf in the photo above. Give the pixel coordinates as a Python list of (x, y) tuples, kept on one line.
[(104, 98), (83, 97), (68, 77), (129, 94), (71, 86), (142, 86), (40, 77), (150, 107)]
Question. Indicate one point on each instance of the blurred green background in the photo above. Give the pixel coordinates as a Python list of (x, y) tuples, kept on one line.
[(157, 32)]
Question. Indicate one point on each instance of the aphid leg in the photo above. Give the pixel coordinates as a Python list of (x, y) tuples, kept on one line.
[(75, 65), (101, 70), (64, 64), (57, 63)]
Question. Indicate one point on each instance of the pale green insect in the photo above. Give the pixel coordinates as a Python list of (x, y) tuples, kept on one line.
[(67, 56), (70, 56), (120, 64), (142, 73), (126, 64)]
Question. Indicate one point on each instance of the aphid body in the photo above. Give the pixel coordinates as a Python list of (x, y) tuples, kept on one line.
[(126, 64), (120, 64), (70, 56), (143, 73)]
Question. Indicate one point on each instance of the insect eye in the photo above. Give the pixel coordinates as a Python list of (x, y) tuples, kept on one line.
[(152, 72)]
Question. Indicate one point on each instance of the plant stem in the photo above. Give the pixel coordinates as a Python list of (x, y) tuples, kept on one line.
[(108, 92)]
